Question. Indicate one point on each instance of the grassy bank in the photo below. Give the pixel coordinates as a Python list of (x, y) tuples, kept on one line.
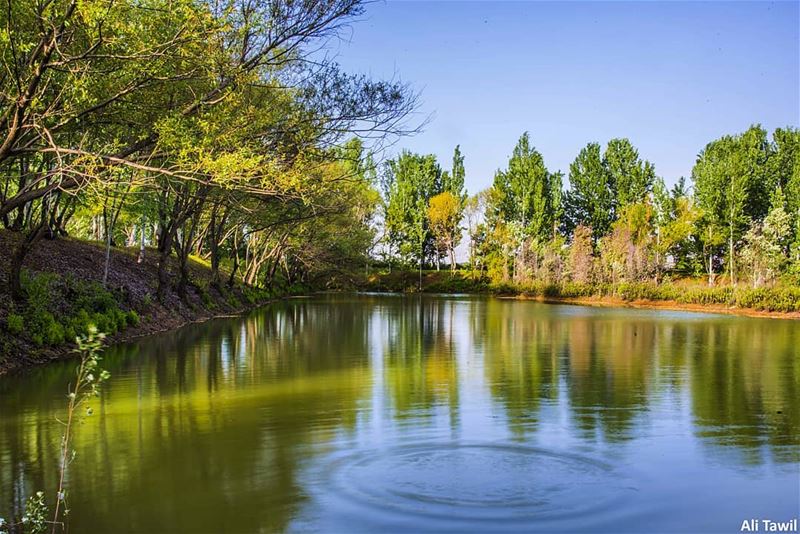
[(62, 280), (689, 294)]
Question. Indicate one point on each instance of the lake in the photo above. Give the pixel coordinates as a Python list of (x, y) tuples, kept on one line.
[(355, 413)]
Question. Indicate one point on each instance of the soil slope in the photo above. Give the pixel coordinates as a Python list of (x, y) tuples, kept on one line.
[(134, 284)]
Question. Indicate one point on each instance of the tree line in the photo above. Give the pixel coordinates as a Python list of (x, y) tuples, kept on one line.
[(215, 129), (736, 221)]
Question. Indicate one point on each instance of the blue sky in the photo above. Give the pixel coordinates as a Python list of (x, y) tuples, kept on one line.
[(670, 76)]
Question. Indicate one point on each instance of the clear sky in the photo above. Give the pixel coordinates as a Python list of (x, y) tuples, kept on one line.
[(670, 76)]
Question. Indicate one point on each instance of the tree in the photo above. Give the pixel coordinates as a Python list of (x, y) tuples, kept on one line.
[(580, 260), (784, 165), (766, 244), (410, 181), (474, 209), (525, 202), (626, 253), (197, 99), (444, 217), (455, 179), (731, 181), (632, 178), (591, 197), (674, 218), (525, 188)]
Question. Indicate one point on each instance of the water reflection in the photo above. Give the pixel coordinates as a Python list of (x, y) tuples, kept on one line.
[(239, 424)]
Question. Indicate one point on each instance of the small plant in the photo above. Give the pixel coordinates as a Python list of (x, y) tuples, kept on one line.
[(15, 323), (81, 303), (54, 335), (87, 385), (35, 518)]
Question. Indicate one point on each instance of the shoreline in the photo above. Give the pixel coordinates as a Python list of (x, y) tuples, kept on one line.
[(616, 302), (145, 329), (648, 304)]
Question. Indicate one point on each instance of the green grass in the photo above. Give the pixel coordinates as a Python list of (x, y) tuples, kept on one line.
[(782, 298)]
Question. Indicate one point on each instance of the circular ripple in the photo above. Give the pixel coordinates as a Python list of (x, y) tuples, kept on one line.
[(477, 481)]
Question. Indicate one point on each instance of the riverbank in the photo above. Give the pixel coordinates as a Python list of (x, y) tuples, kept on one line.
[(65, 294), (685, 295), (671, 305)]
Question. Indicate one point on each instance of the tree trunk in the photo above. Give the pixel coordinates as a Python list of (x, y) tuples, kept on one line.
[(22, 249), (235, 267), (142, 228), (108, 258), (710, 269), (421, 256), (731, 265), (165, 248)]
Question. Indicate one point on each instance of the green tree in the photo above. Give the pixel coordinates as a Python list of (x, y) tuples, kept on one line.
[(674, 218), (627, 253), (784, 166), (766, 244), (591, 197), (731, 180), (455, 179), (474, 210), (632, 178), (410, 181), (525, 189)]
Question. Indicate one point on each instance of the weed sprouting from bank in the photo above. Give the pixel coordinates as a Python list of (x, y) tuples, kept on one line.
[(37, 517)]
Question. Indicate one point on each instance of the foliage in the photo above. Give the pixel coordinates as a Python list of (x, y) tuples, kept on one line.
[(590, 199), (631, 177), (621, 225), (766, 243), (444, 216), (221, 126), (525, 192), (581, 261), (410, 182), (731, 189), (15, 323), (77, 304), (625, 254)]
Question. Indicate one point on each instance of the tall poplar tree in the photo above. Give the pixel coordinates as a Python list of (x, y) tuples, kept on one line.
[(591, 197), (632, 177), (410, 181), (525, 188), (454, 183), (731, 180)]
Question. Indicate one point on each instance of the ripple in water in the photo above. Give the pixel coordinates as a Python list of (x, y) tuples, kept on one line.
[(477, 482)]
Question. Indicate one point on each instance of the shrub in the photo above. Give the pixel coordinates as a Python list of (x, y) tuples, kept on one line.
[(120, 318), (81, 322), (54, 335), (133, 318), (233, 301), (69, 334), (15, 323), (104, 323)]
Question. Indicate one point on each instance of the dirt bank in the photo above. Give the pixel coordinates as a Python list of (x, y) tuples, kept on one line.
[(133, 285)]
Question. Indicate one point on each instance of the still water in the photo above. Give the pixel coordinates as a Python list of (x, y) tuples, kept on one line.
[(352, 413)]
